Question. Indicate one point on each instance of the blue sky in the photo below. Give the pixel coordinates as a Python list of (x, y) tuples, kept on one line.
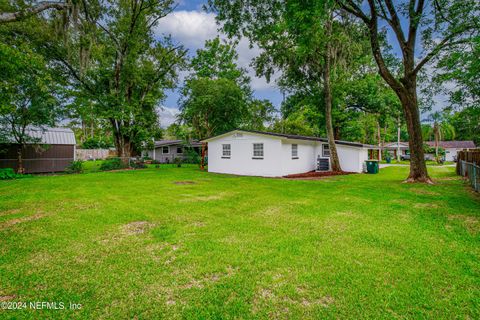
[(191, 26)]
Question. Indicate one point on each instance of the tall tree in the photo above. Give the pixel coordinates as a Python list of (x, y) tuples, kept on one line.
[(113, 58), (29, 97), (212, 106), (217, 96), (441, 24), (306, 40)]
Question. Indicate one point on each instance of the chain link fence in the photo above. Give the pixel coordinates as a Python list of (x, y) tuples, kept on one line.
[(471, 172)]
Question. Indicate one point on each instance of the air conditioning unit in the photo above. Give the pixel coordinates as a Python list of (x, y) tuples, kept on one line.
[(323, 164)]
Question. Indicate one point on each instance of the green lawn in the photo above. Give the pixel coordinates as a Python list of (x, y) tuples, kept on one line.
[(181, 243)]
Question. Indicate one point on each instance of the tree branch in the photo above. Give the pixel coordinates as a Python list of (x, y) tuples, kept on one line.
[(6, 17)]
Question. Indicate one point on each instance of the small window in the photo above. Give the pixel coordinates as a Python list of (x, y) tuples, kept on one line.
[(165, 150), (179, 150), (325, 150), (294, 151), (226, 151), (258, 151)]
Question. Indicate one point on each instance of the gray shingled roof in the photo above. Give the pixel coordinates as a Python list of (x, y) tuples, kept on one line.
[(164, 143), (309, 138), (466, 144)]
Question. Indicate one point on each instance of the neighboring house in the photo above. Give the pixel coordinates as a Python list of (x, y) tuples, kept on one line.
[(53, 151), (392, 148), (452, 147), (166, 151), (256, 153)]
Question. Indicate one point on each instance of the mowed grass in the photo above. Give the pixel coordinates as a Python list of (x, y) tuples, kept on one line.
[(181, 243)]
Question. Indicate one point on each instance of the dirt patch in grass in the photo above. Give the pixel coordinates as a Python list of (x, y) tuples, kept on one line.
[(426, 206), (200, 198), (184, 182), (9, 211), (7, 298), (12, 222), (136, 227), (424, 192), (314, 175), (471, 223)]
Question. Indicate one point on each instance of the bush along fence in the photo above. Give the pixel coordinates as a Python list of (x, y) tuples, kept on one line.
[(468, 166)]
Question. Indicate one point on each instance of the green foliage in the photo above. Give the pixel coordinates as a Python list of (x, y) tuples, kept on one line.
[(178, 161), (466, 124), (192, 156), (118, 69), (9, 174), (29, 96), (212, 106), (75, 167), (94, 143), (112, 164)]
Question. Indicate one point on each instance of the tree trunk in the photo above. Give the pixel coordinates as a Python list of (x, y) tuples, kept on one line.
[(123, 146), (334, 161), (398, 139), (20, 168), (418, 168), (379, 140), (436, 136)]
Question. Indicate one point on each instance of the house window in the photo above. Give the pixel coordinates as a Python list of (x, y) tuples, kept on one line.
[(165, 150), (258, 151), (179, 150), (325, 150), (294, 151), (226, 151)]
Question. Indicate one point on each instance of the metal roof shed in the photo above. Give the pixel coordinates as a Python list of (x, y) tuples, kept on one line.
[(52, 151)]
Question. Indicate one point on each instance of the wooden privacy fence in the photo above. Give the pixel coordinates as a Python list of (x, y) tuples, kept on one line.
[(468, 166)]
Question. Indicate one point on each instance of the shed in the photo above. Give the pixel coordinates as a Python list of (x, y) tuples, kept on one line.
[(53, 151)]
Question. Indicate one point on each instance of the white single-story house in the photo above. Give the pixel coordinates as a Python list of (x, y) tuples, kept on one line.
[(268, 154), (452, 147)]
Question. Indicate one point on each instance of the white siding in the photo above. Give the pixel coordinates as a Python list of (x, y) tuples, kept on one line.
[(450, 154), (241, 161)]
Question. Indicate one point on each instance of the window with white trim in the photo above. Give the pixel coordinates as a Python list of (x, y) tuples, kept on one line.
[(294, 151), (258, 151), (165, 150), (226, 151), (179, 150), (325, 150)]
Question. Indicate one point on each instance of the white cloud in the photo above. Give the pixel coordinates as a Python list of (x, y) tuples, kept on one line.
[(192, 28), (167, 116)]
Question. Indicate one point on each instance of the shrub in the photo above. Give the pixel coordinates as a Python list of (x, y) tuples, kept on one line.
[(192, 156), (178, 161), (9, 174), (75, 167), (94, 143), (112, 164), (138, 164)]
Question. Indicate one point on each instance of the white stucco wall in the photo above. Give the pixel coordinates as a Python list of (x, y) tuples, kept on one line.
[(277, 160), (306, 157), (351, 158), (241, 161)]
